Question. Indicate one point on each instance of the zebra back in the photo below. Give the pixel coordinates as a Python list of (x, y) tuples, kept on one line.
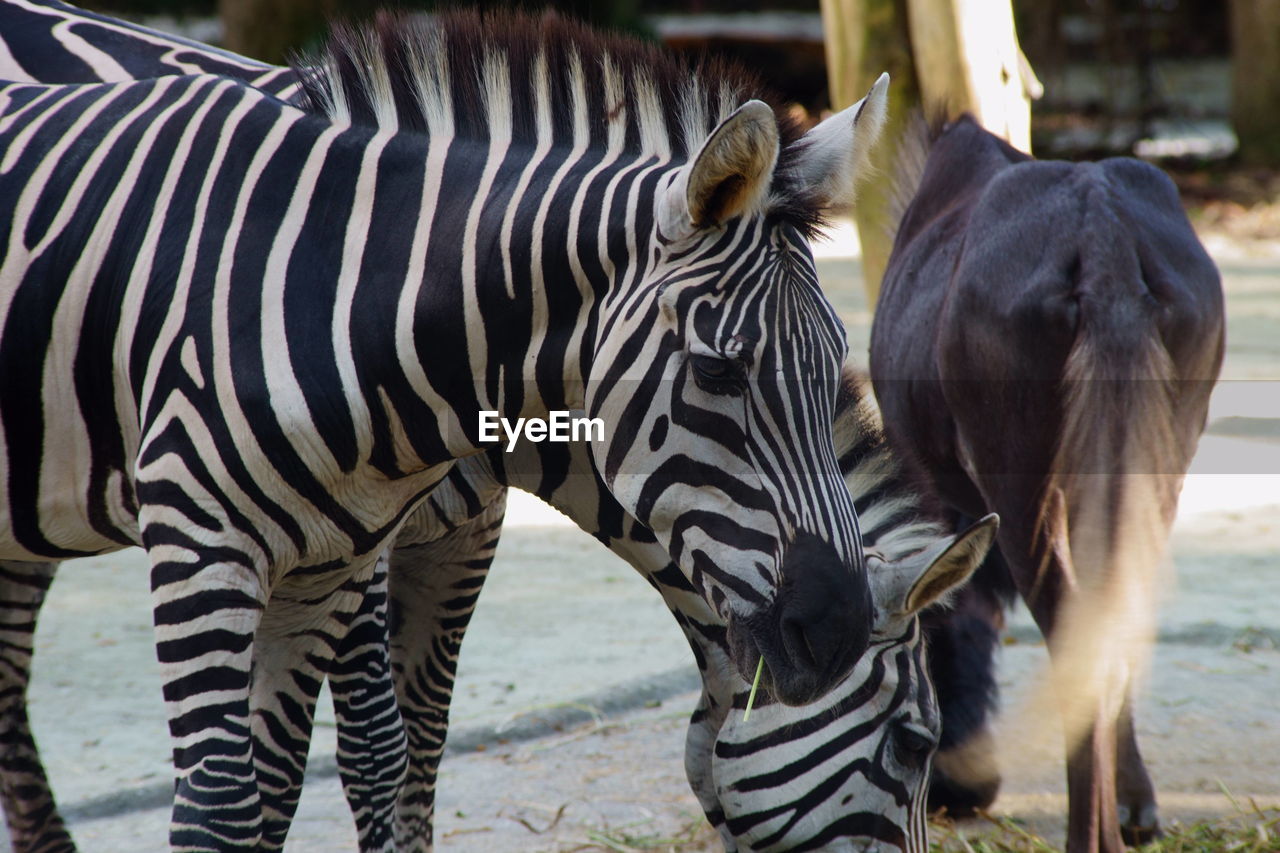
[(48, 41)]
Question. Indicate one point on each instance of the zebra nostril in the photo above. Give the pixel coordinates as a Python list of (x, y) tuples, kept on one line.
[(797, 644)]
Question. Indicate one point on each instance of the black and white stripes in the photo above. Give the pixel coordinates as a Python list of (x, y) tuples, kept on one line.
[(252, 337)]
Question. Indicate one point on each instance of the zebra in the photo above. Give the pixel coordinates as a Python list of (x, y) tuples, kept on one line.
[(467, 549), (27, 19), (454, 514), (179, 394), (847, 771)]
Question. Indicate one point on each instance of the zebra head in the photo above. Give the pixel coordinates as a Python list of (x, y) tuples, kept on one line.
[(722, 364), (851, 771)]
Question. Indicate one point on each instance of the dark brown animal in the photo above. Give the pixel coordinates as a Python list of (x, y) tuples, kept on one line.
[(1046, 340)]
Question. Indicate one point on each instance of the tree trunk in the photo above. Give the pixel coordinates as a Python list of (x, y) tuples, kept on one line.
[(1255, 91), (864, 38), (953, 56), (272, 30), (968, 60)]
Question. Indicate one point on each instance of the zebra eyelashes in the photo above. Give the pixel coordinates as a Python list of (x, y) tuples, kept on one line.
[(712, 367), (912, 743), (717, 375)]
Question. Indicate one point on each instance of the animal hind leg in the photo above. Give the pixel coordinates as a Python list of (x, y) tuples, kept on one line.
[(434, 589), (372, 749), (1136, 807), (1092, 825), (29, 807), (1049, 587), (305, 622)]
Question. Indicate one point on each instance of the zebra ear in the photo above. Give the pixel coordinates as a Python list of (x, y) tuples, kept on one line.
[(926, 578), (832, 157), (729, 176)]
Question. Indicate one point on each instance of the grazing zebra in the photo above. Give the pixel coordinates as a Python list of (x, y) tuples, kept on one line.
[(277, 468), (852, 766), (1046, 341), (846, 770)]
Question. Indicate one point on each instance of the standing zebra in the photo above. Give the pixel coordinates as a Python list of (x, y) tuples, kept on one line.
[(263, 438), (431, 622), (855, 731), (468, 542)]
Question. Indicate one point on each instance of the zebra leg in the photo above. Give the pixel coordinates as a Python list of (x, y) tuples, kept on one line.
[(205, 642), (29, 807), (961, 641), (434, 588), (372, 748), (1136, 810), (304, 625), (699, 747)]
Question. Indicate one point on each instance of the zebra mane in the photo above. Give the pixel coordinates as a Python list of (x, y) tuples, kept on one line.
[(898, 510), (525, 78)]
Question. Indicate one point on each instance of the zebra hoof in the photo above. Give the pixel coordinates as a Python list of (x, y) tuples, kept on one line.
[(965, 778)]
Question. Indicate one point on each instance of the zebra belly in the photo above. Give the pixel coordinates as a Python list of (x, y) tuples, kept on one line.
[(63, 497)]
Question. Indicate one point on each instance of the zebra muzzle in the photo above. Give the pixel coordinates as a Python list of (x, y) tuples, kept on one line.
[(813, 632)]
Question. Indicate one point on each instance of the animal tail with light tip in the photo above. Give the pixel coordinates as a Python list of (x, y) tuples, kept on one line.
[(1105, 514)]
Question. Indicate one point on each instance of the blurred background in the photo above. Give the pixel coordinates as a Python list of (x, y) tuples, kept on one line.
[(1193, 85), (1116, 74)]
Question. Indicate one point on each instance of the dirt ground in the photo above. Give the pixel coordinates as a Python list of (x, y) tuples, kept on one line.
[(562, 620)]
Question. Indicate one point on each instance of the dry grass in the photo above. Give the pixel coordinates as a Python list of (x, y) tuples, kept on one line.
[(694, 836), (1250, 830)]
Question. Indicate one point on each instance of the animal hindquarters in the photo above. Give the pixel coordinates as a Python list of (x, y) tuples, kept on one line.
[(1086, 540)]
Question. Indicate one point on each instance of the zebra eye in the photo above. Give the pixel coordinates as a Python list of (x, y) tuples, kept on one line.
[(714, 372), (913, 742)]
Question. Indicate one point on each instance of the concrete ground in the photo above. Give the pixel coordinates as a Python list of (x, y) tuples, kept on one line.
[(568, 644)]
